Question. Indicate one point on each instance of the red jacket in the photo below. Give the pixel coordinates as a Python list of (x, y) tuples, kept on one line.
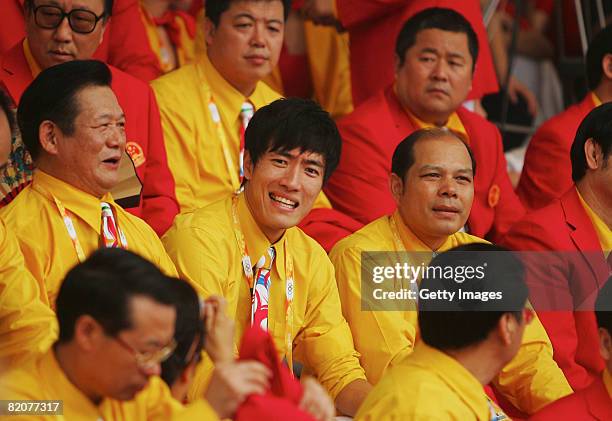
[(565, 281), (360, 188), (373, 26), (590, 404), (143, 131), (125, 44), (547, 171)]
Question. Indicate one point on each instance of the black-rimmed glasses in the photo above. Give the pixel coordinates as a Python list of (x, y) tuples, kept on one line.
[(80, 20)]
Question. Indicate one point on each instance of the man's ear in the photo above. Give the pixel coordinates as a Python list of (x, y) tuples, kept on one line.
[(209, 31), (397, 65), (87, 333), (104, 24), (606, 66), (48, 134), (248, 165), (605, 344), (594, 156), (506, 327), (396, 185)]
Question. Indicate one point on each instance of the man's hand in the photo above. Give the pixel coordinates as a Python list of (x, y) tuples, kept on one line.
[(515, 88), (316, 401), (321, 12), (233, 382), (219, 340)]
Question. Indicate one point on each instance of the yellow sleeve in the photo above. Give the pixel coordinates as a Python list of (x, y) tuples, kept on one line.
[(161, 406), (325, 345), (381, 337), (328, 57), (533, 379), (27, 325)]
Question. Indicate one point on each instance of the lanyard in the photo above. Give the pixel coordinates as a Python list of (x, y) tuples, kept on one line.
[(229, 161), (247, 269), (69, 224)]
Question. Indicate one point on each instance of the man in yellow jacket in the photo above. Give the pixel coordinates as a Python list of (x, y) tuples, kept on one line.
[(248, 249), (27, 325), (466, 341), (432, 183), (206, 107), (116, 314), (74, 128)]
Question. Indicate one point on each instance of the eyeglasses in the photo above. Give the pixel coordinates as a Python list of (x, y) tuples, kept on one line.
[(148, 360), (81, 21)]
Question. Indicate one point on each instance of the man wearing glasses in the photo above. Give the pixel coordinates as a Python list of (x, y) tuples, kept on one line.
[(60, 31), (116, 313)]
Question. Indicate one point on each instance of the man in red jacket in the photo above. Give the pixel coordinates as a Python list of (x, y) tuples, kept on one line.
[(374, 24), (54, 38), (577, 227), (125, 44), (595, 402), (435, 55), (547, 172)]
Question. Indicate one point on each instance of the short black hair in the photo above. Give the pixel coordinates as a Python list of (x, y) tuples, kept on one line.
[(598, 48), (6, 106), (597, 125), (108, 7), (603, 306), (291, 123), (463, 322), (435, 18), (103, 286), (403, 156), (188, 332), (214, 9), (52, 96)]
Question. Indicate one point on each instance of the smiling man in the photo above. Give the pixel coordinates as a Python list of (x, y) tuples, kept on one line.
[(434, 68), (248, 249), (432, 183), (74, 128), (66, 30)]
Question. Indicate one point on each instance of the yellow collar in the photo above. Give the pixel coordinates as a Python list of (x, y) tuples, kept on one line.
[(256, 241), (78, 202), (227, 98), (455, 375), (595, 99), (32, 64), (60, 386), (412, 242), (604, 233), (607, 380)]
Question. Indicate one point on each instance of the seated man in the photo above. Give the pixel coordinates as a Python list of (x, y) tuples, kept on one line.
[(433, 186), (247, 248), (116, 314), (53, 38), (124, 44), (577, 227), (435, 55), (547, 172), (74, 128), (594, 402), (205, 107), (466, 343), (26, 324)]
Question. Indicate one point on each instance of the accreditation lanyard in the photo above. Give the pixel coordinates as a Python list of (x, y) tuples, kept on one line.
[(69, 224), (227, 154), (247, 269)]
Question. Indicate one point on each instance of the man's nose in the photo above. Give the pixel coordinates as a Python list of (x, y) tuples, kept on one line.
[(63, 33)]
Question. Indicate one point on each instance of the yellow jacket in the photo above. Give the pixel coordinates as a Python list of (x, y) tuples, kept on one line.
[(530, 381), (428, 385), (44, 241), (43, 379), (203, 246), (195, 152), (27, 325)]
